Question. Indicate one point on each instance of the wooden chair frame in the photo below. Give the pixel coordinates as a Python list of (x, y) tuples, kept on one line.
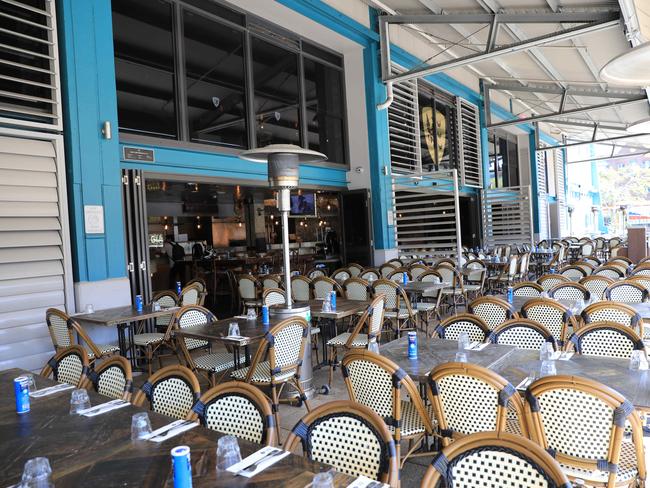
[(335, 285), (400, 297), (94, 375), (174, 371), (256, 288), (575, 340), (165, 294), (340, 270), (641, 289), (519, 322), (188, 288), (93, 351), (269, 291), (275, 278), (302, 279), (614, 269), (356, 266), (465, 317), (360, 282), (594, 278), (203, 289), (635, 318), (527, 284), (238, 388), (300, 434), (568, 320), (586, 294), (375, 271), (52, 364), (507, 308), (551, 276)]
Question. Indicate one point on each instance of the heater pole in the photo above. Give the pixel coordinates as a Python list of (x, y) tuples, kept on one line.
[(284, 204)]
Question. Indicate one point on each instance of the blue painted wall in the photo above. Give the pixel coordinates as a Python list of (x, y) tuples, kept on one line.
[(88, 82)]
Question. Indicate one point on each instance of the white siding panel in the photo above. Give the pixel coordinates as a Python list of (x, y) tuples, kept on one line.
[(28, 209), (30, 239), (30, 300), (27, 147), (42, 345), (30, 285), (27, 178), (27, 162), (24, 317), (35, 223), (25, 333), (33, 362), (11, 271), (27, 194), (30, 254)]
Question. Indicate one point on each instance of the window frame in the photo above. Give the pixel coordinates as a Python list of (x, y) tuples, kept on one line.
[(183, 129)]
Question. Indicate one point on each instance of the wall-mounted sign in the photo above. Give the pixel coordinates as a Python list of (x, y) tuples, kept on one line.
[(94, 219), (138, 154)]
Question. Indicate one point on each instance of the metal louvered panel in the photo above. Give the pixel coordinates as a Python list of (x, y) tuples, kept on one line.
[(34, 246), (469, 143), (425, 209), (507, 215), (544, 223), (404, 128), (541, 172), (562, 214), (29, 74)]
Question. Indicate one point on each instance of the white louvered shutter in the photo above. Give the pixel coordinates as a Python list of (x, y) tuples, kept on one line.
[(404, 128), (33, 249), (469, 143), (562, 217), (542, 196)]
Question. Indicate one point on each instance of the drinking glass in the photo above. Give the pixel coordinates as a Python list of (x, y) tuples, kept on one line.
[(227, 452), (233, 329), (89, 308), (37, 473), (461, 357), (31, 382), (323, 480), (547, 369), (463, 341), (544, 294), (251, 314), (635, 360), (533, 374), (373, 346), (327, 306), (140, 426), (79, 400), (546, 352)]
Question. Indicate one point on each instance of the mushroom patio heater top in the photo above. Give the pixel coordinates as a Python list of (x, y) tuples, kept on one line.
[(284, 164)]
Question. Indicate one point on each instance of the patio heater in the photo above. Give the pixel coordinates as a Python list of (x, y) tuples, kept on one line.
[(283, 167)]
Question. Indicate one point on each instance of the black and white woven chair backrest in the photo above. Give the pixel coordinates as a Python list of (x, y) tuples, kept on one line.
[(416, 271), (286, 345), (372, 386), (69, 368), (390, 292), (492, 313), (550, 281), (609, 272), (611, 313), (446, 272), (165, 301), (315, 273), (341, 275), (452, 329), (357, 290), (234, 414), (190, 295), (596, 285), (111, 382), (301, 290), (430, 277), (354, 270), (626, 293), (644, 281), (553, 318), (346, 441), (369, 275), (171, 395), (525, 290), (193, 317), (606, 341), (642, 272), (247, 288), (322, 288), (574, 273), (377, 317), (274, 297), (521, 336), (270, 282), (386, 270), (569, 291), (59, 330), (397, 276)]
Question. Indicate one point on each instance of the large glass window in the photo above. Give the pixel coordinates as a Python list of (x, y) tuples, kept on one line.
[(275, 80), (325, 109), (437, 126), (144, 67), (215, 81), (504, 160)]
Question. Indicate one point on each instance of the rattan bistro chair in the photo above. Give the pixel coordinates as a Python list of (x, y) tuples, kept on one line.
[(523, 334), (202, 287), (607, 339), (322, 286), (574, 273), (271, 281), (351, 438), (239, 409), (451, 327), (380, 384), (301, 288), (494, 460), (387, 268), (249, 292), (551, 314), (357, 289), (494, 311), (626, 292), (611, 272), (596, 285), (528, 289), (315, 273), (69, 365), (397, 306), (274, 296), (581, 422), (277, 362), (354, 269), (569, 291), (171, 391), (113, 378), (340, 275), (192, 294), (370, 274), (166, 299), (468, 398), (613, 312), (548, 281)]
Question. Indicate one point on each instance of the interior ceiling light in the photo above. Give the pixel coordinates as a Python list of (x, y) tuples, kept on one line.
[(640, 127), (629, 69)]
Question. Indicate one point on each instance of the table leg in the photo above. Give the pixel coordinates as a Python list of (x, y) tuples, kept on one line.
[(247, 356), (236, 358), (131, 344), (121, 340)]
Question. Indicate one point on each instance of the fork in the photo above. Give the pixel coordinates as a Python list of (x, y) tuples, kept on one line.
[(255, 465)]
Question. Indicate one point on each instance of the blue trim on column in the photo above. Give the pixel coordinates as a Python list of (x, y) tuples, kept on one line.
[(88, 88), (533, 181)]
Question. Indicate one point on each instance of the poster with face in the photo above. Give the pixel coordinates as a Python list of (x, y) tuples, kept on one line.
[(434, 122)]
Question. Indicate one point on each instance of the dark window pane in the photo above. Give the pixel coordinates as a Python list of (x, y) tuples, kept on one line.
[(214, 64), (144, 67), (322, 53), (275, 78), (437, 126), (218, 9), (324, 100), (513, 164)]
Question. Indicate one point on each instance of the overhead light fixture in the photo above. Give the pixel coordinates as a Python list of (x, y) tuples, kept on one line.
[(640, 127), (629, 69)]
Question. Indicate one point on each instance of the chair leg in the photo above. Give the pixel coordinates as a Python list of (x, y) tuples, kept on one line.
[(149, 355), (331, 353), (275, 406), (303, 397)]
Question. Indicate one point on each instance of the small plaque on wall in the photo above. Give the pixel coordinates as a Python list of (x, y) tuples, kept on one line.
[(138, 154), (94, 219)]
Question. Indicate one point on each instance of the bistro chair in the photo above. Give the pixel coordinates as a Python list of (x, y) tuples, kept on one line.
[(417, 269), (548, 281), (446, 271), (451, 327), (354, 269), (551, 314), (641, 270), (581, 422), (397, 306), (592, 260), (596, 285), (522, 334), (586, 249), (494, 460), (113, 378), (323, 286), (69, 365), (453, 295), (301, 288), (611, 272), (191, 295), (524, 263), (505, 277), (239, 409), (315, 273), (623, 260), (203, 289), (387, 268), (626, 292), (569, 291), (271, 281), (277, 362), (573, 273), (62, 329), (274, 296), (210, 364), (351, 438), (613, 312), (171, 391), (642, 280), (468, 398), (370, 274), (492, 310), (446, 261), (644, 261), (340, 275), (166, 299), (370, 323), (588, 268), (476, 273), (357, 289), (528, 289), (380, 384), (249, 292), (607, 339), (398, 275)]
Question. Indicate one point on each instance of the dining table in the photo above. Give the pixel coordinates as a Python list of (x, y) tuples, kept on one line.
[(98, 451)]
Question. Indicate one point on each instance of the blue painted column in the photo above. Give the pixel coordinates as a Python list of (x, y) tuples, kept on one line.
[(534, 189), (379, 149), (93, 163)]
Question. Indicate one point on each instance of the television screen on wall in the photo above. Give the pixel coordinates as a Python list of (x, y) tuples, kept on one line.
[(303, 204)]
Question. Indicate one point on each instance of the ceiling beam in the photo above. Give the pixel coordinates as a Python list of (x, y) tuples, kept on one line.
[(586, 124), (596, 141), (488, 18), (603, 158), (569, 90)]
